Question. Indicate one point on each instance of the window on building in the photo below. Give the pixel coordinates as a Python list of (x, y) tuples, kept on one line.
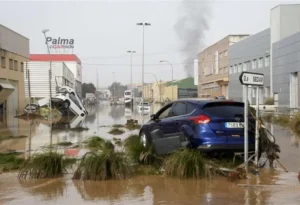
[(3, 64), (267, 61), (240, 68), (244, 66), (22, 67), (254, 64), (260, 63), (225, 53), (16, 65), (230, 69), (11, 64), (235, 69)]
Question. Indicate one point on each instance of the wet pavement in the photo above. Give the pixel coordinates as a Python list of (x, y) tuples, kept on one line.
[(275, 187)]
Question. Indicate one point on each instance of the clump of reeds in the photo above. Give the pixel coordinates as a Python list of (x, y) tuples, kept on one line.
[(64, 143), (267, 117), (140, 154), (132, 125), (10, 161), (269, 101), (116, 131), (45, 165), (294, 124), (103, 165), (117, 141), (282, 120), (79, 129), (98, 143), (186, 163), (118, 126)]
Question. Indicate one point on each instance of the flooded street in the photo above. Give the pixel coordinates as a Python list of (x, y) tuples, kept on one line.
[(283, 189), (275, 187)]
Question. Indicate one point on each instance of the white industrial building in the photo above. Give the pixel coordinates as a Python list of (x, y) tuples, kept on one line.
[(39, 78), (66, 71)]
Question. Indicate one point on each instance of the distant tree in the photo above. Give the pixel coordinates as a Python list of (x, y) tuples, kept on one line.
[(117, 89), (88, 88)]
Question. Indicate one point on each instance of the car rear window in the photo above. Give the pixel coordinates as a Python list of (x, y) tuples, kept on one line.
[(224, 109)]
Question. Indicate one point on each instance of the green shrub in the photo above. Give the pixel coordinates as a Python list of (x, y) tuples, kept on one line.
[(45, 165), (294, 124), (116, 131), (98, 143), (269, 101), (186, 163), (140, 154), (282, 120), (10, 161), (118, 126), (103, 165)]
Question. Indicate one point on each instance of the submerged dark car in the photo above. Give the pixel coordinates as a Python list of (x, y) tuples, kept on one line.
[(210, 125)]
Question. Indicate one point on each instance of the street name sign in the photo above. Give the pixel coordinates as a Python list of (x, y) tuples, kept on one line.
[(248, 78)]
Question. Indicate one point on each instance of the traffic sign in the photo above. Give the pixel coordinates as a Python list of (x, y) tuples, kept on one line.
[(248, 78)]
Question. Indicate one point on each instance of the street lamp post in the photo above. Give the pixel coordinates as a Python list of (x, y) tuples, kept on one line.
[(131, 52), (143, 25), (50, 84), (113, 85), (172, 76), (50, 72)]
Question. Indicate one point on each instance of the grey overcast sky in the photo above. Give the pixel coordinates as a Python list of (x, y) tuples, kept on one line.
[(105, 30)]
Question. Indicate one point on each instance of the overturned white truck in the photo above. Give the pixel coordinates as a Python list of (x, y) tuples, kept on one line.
[(66, 101)]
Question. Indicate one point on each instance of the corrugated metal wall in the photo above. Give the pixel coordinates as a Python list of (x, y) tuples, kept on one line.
[(39, 79)]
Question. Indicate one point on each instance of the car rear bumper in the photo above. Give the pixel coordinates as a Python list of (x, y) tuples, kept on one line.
[(225, 148)]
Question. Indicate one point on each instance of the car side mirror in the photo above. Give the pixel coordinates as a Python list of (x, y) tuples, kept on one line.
[(152, 117)]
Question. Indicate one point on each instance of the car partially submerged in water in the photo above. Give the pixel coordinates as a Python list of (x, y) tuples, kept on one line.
[(207, 125)]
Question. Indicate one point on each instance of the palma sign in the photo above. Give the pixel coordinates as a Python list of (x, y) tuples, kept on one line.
[(60, 42)]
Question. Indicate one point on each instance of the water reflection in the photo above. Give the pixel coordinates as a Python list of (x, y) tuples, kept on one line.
[(46, 189), (117, 112)]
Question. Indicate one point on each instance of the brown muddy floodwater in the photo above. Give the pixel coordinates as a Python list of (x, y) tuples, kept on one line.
[(283, 189), (276, 187)]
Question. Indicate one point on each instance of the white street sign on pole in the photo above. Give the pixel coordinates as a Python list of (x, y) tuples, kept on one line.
[(248, 78), (253, 79), (256, 127), (246, 126)]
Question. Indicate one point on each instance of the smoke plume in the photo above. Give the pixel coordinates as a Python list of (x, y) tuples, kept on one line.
[(190, 28)]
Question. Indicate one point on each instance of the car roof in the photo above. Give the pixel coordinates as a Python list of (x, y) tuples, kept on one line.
[(202, 102)]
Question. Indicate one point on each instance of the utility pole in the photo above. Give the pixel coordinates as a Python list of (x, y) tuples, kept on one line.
[(172, 77), (143, 55), (50, 85), (50, 75), (97, 86), (113, 84)]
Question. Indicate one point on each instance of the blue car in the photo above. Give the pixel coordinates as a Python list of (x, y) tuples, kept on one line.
[(213, 125)]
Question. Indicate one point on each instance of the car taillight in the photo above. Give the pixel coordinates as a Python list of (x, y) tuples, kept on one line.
[(201, 119)]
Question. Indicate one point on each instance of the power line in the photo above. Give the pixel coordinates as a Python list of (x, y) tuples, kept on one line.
[(180, 63)]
